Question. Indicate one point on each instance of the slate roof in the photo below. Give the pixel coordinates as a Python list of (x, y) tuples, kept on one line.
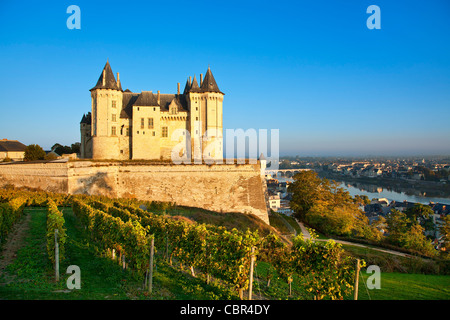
[(209, 83), (187, 87), (194, 86), (174, 99), (110, 80), (86, 118), (11, 145), (149, 99), (146, 98), (128, 99)]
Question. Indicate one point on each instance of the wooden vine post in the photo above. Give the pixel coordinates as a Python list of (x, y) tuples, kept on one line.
[(355, 294), (150, 275), (56, 256), (252, 262)]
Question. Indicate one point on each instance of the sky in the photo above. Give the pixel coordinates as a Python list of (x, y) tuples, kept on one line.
[(312, 69)]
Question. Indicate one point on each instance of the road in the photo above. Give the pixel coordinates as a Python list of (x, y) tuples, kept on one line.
[(306, 235)]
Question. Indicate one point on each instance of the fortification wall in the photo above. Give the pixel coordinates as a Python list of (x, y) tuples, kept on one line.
[(49, 176), (227, 188)]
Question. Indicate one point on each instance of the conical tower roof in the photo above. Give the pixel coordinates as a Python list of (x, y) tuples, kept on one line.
[(187, 87), (209, 83), (194, 86), (107, 79)]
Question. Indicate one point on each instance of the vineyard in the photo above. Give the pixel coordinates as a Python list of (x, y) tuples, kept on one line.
[(124, 230)]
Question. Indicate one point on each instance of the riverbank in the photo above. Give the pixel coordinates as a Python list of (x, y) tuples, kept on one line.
[(414, 188)]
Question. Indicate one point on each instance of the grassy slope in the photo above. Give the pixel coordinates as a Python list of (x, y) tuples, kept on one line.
[(101, 278), (105, 279), (403, 286)]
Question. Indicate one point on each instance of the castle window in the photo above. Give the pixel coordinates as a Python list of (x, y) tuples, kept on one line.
[(127, 131), (196, 118), (113, 131), (165, 132), (113, 118), (153, 133), (196, 108), (114, 104), (142, 123), (150, 123)]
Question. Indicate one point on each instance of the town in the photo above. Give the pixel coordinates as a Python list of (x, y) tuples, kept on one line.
[(424, 172), (436, 169)]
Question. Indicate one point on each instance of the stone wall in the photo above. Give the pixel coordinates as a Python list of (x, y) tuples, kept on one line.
[(43, 175), (227, 188)]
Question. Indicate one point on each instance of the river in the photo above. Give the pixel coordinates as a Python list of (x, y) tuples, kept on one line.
[(373, 191)]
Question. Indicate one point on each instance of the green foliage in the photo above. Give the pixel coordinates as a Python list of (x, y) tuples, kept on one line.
[(55, 221), (328, 208), (128, 238), (422, 214), (321, 269), (34, 152), (10, 212), (327, 271), (445, 231), (407, 233), (60, 149)]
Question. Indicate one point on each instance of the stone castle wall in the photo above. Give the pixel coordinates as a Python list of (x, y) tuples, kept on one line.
[(227, 188)]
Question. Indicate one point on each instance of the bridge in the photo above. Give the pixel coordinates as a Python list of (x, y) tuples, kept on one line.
[(269, 171)]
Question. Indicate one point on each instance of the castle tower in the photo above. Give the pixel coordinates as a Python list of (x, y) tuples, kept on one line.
[(86, 138), (206, 125), (214, 117), (106, 107)]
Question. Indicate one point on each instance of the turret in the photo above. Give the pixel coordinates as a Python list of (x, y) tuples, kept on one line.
[(106, 106)]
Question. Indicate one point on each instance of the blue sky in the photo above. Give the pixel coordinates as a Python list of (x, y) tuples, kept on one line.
[(309, 68)]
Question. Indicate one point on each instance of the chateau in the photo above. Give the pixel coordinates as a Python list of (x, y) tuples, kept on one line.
[(127, 125)]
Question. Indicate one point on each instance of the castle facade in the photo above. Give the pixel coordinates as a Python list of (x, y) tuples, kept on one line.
[(126, 125)]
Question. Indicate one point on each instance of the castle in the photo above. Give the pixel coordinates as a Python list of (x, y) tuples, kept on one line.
[(126, 125)]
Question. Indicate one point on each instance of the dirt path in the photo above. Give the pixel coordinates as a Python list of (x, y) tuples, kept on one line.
[(306, 235), (13, 243)]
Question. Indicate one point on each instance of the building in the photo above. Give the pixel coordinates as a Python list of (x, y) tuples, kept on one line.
[(127, 125), (274, 202), (12, 149)]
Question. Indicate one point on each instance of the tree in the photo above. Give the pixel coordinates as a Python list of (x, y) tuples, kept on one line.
[(407, 233), (444, 229), (306, 190), (422, 214), (397, 225), (34, 152), (415, 240), (361, 199), (76, 147), (329, 208), (60, 149)]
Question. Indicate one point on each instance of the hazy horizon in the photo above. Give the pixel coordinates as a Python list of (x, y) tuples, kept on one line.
[(313, 70)]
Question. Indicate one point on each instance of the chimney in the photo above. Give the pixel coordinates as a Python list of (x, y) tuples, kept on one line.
[(158, 97), (190, 80), (104, 77), (201, 79), (178, 84), (118, 79)]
